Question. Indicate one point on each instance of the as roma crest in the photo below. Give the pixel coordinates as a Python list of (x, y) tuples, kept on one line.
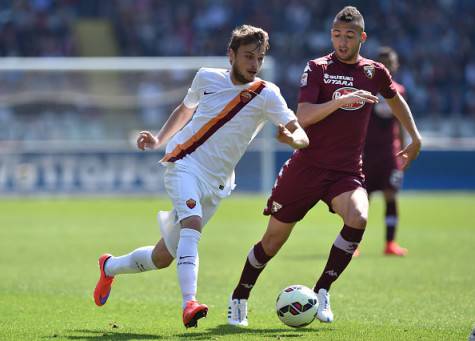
[(369, 71), (245, 96), (191, 203)]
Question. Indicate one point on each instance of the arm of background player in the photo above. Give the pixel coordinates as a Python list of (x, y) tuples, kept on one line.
[(402, 112), (293, 135), (309, 113), (177, 120)]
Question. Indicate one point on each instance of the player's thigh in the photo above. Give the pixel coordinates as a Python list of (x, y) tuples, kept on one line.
[(352, 207), (185, 192)]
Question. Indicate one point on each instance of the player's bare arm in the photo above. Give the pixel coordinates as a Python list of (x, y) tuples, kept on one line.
[(177, 120), (293, 135), (310, 113), (402, 112)]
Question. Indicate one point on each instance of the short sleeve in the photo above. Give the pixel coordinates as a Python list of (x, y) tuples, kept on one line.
[(310, 83), (388, 88), (192, 98), (276, 108)]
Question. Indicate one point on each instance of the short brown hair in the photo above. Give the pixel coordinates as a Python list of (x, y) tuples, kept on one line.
[(351, 15), (386, 52), (247, 34), (389, 58)]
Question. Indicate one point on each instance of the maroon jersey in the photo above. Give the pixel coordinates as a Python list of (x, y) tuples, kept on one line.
[(383, 140), (337, 141)]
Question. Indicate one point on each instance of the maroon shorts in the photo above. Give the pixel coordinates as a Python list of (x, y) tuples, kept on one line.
[(382, 174), (299, 187)]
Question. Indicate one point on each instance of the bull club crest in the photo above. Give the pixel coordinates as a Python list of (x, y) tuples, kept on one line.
[(245, 96), (191, 203), (369, 71)]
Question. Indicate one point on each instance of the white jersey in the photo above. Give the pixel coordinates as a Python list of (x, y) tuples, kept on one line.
[(227, 119)]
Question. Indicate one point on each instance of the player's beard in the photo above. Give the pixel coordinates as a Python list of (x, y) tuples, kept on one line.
[(239, 76), (349, 57)]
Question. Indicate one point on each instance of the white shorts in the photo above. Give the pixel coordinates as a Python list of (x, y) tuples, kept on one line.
[(190, 197)]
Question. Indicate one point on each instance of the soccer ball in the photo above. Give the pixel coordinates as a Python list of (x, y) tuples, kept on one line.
[(296, 306)]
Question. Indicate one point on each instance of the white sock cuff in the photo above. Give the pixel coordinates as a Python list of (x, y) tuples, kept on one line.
[(342, 244), (253, 260), (146, 253), (391, 220), (190, 233)]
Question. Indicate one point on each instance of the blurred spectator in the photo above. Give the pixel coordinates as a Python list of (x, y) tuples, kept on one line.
[(434, 38)]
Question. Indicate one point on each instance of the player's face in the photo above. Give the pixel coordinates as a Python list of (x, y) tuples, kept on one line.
[(246, 62), (347, 40)]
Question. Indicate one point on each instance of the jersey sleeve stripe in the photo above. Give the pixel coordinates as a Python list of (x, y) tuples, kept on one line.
[(208, 129)]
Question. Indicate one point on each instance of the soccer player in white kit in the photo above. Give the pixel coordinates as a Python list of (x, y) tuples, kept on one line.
[(227, 109)]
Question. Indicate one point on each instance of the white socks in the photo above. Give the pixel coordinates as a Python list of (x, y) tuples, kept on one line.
[(187, 261), (139, 260)]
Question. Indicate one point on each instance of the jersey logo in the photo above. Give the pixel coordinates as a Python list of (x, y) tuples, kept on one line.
[(191, 203), (208, 92), (347, 90), (246, 96), (337, 79), (369, 71)]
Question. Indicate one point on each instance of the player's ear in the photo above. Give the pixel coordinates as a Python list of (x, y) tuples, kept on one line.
[(364, 36), (231, 56)]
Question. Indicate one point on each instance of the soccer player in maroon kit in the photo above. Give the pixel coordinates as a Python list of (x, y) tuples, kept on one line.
[(336, 97), (381, 167)]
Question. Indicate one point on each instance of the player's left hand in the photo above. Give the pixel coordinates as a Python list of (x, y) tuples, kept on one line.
[(409, 154), (284, 135)]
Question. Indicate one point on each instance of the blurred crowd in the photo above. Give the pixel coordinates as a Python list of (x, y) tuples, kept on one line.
[(434, 38)]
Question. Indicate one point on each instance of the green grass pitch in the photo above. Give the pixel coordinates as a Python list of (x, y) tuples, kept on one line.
[(48, 270)]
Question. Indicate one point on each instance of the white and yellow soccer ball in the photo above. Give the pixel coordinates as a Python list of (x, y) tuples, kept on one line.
[(296, 306)]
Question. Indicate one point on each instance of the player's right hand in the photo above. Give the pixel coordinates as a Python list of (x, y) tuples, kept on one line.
[(146, 140), (358, 97)]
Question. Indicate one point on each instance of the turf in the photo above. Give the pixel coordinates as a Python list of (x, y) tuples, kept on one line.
[(48, 269)]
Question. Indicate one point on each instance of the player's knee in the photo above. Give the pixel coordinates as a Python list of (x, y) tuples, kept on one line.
[(357, 220), (272, 243), (161, 257), (193, 222)]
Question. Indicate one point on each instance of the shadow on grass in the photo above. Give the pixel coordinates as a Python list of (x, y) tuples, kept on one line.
[(193, 334), (226, 329), (103, 335)]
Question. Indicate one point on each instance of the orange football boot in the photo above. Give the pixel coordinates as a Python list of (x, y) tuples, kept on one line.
[(393, 249), (103, 286), (193, 312)]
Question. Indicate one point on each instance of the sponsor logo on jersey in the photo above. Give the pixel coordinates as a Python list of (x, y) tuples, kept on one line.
[(191, 203), (347, 90), (369, 71), (337, 80), (245, 96)]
